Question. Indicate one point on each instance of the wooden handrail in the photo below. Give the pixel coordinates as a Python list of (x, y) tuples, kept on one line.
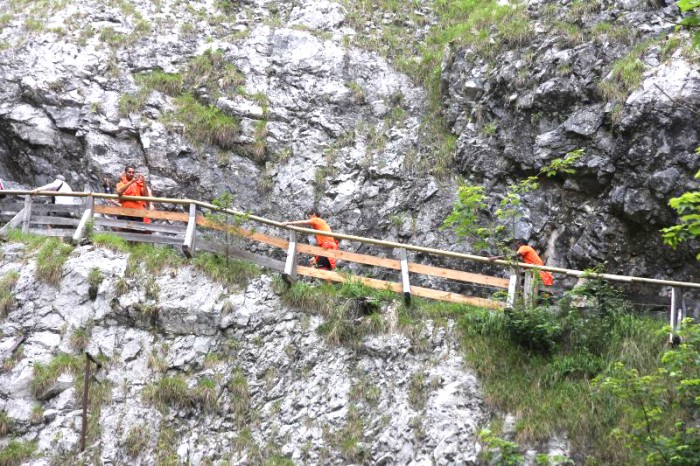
[(376, 242)]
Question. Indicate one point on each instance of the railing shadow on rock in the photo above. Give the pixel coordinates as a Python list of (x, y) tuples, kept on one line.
[(196, 228)]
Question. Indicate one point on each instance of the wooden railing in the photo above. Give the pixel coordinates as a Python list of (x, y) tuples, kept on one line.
[(189, 230)]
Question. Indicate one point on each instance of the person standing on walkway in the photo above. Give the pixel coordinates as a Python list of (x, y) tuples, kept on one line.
[(315, 221), (132, 184), (59, 185)]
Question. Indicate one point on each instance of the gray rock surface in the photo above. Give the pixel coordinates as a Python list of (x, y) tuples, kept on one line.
[(279, 389)]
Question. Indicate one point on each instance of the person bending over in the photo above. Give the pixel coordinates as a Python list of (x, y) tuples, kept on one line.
[(315, 221)]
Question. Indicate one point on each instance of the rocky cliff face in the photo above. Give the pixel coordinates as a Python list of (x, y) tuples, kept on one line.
[(610, 77), (279, 104), (194, 372)]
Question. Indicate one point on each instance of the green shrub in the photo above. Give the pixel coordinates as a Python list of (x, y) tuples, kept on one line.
[(536, 329), (661, 404), (136, 440)]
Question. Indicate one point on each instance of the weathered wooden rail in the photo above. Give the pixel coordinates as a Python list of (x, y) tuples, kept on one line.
[(189, 229)]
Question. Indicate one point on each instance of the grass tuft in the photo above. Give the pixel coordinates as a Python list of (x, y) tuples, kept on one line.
[(7, 283), (45, 375), (16, 453), (225, 270), (50, 259)]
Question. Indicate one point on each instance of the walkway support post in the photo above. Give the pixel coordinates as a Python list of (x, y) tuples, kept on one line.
[(87, 217), (513, 287), (27, 214), (290, 266), (530, 288), (406, 284), (189, 246), (677, 314)]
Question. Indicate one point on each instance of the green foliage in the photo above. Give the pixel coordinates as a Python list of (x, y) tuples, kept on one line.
[(495, 233), (6, 423), (661, 404), (50, 259), (95, 278), (168, 391), (687, 206), (7, 283), (136, 440), (536, 329), (205, 124), (499, 451), (16, 453), (550, 390), (226, 270), (691, 20), (111, 241), (46, 374), (167, 83), (80, 337), (113, 38)]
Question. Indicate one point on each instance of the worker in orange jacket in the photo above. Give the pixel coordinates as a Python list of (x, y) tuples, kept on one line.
[(315, 221), (132, 184), (528, 255)]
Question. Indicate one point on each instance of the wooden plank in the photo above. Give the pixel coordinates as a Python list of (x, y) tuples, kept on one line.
[(211, 246), (337, 277), (11, 206), (458, 275), (456, 298), (57, 232), (350, 256), (412, 267), (260, 237), (56, 208), (143, 238), (44, 220), (140, 226), (155, 214), (397, 287), (13, 223)]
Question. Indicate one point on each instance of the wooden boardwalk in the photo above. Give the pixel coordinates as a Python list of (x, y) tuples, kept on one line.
[(198, 226)]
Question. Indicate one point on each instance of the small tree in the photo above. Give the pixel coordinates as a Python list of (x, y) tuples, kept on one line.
[(688, 207), (662, 408), (470, 217)]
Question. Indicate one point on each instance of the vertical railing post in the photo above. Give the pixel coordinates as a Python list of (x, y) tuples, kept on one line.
[(290, 266), (513, 287), (87, 217), (530, 288), (190, 244), (404, 277), (27, 214), (677, 314)]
